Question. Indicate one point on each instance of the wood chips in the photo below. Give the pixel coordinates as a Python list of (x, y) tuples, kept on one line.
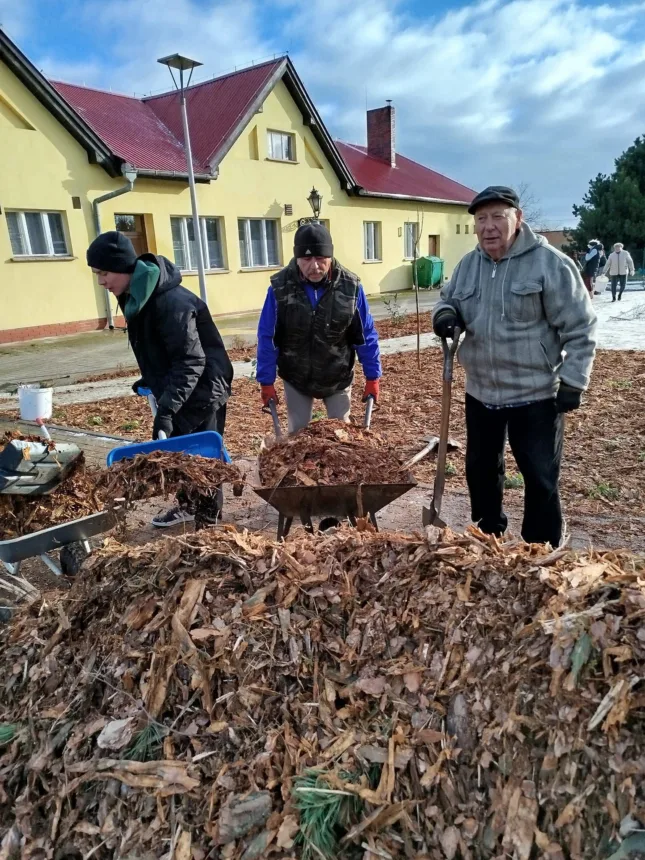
[(86, 491), (330, 452), (458, 698)]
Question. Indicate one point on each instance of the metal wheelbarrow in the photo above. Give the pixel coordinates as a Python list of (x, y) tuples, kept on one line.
[(32, 469), (339, 501), (336, 502), (72, 539)]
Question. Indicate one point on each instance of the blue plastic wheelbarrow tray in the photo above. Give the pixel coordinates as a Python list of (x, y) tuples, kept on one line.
[(207, 444)]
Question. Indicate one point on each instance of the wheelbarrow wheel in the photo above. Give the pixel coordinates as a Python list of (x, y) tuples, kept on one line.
[(72, 557)]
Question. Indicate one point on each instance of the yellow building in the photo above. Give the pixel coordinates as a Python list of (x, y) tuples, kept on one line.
[(259, 147)]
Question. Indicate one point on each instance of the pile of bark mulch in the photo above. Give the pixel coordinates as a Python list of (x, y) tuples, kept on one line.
[(329, 452), (76, 496), (346, 696), (86, 491), (162, 472)]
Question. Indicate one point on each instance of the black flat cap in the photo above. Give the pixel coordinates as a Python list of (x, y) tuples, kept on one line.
[(495, 194)]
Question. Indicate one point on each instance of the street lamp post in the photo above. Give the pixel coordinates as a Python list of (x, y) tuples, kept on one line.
[(182, 65), (315, 201)]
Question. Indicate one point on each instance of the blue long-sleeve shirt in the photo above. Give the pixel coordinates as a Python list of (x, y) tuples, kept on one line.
[(368, 353)]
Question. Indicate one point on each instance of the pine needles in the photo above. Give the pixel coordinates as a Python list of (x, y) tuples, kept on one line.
[(146, 744), (7, 732), (325, 814)]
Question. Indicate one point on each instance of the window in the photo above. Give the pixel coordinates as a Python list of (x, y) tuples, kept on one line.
[(37, 234), (258, 243), (410, 238), (458, 229), (281, 146), (466, 228), (372, 240), (184, 243)]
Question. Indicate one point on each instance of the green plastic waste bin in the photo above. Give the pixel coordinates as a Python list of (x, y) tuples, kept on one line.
[(429, 272)]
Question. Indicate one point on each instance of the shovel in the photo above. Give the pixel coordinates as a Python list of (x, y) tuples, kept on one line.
[(272, 408), (431, 515), (369, 406)]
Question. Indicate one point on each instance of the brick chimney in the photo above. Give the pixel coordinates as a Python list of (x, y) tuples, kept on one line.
[(381, 134)]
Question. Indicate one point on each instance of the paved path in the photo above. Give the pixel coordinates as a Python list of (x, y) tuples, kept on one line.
[(63, 360)]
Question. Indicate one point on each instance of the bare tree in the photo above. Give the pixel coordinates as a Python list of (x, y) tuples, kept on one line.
[(415, 279), (531, 206)]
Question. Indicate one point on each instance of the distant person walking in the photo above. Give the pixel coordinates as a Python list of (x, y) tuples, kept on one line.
[(591, 265), (619, 265)]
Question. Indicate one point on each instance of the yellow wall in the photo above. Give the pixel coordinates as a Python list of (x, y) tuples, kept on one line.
[(44, 167)]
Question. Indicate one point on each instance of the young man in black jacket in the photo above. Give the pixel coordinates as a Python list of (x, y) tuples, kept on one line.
[(178, 348)]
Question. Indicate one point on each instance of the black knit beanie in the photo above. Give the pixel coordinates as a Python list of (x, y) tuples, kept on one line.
[(112, 252), (313, 240)]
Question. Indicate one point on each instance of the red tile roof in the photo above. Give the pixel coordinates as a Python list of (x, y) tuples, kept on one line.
[(214, 108), (408, 178), (148, 132), (131, 129)]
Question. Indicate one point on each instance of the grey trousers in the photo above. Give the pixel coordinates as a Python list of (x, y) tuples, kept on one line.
[(300, 407)]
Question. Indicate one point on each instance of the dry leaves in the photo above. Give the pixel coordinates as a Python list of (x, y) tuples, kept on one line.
[(443, 716)]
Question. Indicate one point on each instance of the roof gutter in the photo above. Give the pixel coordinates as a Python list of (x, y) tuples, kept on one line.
[(174, 174), (363, 193)]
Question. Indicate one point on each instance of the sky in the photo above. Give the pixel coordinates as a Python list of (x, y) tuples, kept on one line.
[(497, 92)]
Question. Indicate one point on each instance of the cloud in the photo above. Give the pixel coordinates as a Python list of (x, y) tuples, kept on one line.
[(496, 91)]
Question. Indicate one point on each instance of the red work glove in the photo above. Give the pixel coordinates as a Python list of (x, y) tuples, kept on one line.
[(371, 390), (268, 392)]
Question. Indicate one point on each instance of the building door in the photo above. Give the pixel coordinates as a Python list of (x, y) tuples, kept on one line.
[(434, 246), (134, 227)]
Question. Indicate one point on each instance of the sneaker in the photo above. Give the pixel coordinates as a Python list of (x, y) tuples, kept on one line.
[(172, 518)]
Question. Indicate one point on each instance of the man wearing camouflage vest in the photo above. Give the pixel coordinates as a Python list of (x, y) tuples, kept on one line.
[(314, 323)]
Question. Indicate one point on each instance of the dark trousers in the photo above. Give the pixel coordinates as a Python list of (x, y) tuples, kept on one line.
[(615, 280), (215, 421), (535, 435)]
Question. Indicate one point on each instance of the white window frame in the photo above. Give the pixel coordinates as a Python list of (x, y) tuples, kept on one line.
[(414, 238), (373, 227), (285, 137), (183, 223), (265, 245), (24, 233)]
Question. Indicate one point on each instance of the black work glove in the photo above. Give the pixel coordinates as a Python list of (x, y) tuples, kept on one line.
[(568, 398), (162, 422), (140, 383), (444, 322)]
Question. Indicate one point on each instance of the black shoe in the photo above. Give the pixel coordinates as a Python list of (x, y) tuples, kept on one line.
[(619, 298), (613, 300), (172, 518)]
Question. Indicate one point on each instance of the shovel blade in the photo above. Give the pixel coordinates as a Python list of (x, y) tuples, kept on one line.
[(430, 517)]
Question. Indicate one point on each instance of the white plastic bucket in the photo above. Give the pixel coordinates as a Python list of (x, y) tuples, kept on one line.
[(601, 284), (34, 402)]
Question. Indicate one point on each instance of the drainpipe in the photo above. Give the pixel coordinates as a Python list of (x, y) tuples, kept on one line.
[(130, 175)]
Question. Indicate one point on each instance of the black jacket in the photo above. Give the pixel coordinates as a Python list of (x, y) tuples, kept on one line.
[(179, 350), (317, 344)]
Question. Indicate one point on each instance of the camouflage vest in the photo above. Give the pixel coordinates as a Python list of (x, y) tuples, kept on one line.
[(316, 345)]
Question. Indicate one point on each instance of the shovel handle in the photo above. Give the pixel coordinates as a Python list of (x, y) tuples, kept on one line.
[(449, 353), (369, 406), (273, 410)]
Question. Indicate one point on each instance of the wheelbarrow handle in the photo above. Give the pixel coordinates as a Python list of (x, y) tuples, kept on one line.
[(369, 406), (273, 410)]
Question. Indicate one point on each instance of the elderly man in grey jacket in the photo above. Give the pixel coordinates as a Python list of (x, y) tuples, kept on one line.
[(528, 352)]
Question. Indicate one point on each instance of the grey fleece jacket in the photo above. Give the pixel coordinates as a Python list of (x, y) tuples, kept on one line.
[(529, 322)]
